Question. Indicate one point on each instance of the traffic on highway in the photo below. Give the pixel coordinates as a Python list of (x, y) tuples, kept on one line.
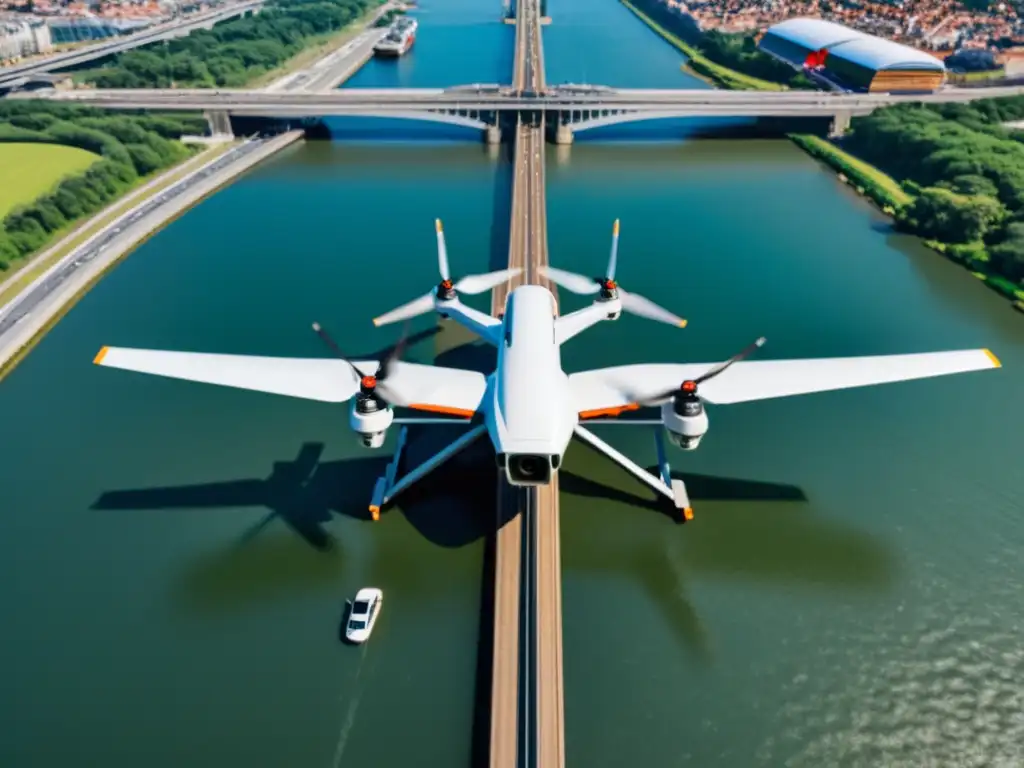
[(22, 307)]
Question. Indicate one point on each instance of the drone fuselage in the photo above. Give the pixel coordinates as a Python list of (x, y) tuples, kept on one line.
[(530, 417)]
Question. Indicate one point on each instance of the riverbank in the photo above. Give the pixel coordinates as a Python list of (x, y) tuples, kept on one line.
[(887, 194), (700, 66), (870, 182), (18, 279), (322, 46), (233, 53), (58, 289)]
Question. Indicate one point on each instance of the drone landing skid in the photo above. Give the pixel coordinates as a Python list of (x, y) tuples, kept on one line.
[(671, 488), (390, 485)]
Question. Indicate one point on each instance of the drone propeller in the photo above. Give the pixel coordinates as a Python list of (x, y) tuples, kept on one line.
[(689, 387), (374, 385), (633, 303), (446, 290)]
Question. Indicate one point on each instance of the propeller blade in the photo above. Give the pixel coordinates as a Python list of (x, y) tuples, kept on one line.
[(613, 259), (326, 337), (571, 281), (636, 304), (415, 307), (734, 359), (387, 365), (479, 283), (714, 371), (442, 251)]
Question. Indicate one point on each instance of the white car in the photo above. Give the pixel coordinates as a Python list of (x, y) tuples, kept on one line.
[(363, 614)]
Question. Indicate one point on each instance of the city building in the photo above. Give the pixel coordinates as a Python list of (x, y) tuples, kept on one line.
[(20, 38), (853, 59)]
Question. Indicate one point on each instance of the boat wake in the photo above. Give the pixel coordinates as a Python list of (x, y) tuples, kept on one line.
[(350, 713)]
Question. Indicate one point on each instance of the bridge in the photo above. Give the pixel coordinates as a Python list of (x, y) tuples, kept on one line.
[(10, 76), (566, 110), (526, 716)]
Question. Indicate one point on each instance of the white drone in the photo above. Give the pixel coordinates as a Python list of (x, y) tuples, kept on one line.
[(529, 407)]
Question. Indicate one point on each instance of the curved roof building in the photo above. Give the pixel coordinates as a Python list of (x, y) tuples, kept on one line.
[(857, 60)]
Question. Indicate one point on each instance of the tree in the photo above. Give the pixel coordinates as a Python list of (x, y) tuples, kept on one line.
[(944, 215), (1007, 258)]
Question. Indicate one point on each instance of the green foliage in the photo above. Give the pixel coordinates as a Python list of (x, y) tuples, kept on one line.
[(388, 17), (965, 171), (737, 52), (1007, 257), (232, 53), (740, 52), (944, 215), (131, 146), (881, 189)]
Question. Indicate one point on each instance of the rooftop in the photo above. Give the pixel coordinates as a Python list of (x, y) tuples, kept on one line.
[(857, 47), (878, 54), (814, 34)]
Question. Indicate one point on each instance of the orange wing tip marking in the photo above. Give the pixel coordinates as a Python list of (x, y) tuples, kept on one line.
[(988, 354), (688, 513), (615, 411), (376, 322), (375, 512), (682, 323), (443, 409), (100, 355), (437, 225), (615, 228)]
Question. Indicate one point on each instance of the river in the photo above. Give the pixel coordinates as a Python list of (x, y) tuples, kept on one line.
[(849, 593)]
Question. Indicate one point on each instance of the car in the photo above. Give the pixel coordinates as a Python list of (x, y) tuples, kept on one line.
[(363, 614)]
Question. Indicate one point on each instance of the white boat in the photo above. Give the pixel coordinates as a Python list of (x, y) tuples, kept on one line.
[(363, 614), (399, 38)]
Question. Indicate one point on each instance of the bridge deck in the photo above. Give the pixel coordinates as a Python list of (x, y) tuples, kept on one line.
[(546, 559), (504, 746)]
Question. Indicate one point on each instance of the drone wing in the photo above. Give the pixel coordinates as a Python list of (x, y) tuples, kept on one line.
[(610, 391), (423, 387)]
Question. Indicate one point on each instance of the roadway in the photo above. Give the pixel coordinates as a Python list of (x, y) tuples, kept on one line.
[(25, 315), (288, 103), (507, 689), (528, 594), (335, 68), (28, 313), (175, 28)]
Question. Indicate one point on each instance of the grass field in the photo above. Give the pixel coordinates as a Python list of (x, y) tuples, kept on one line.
[(28, 171), (23, 272)]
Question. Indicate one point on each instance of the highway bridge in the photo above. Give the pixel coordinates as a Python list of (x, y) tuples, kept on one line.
[(179, 27), (567, 110), (526, 716)]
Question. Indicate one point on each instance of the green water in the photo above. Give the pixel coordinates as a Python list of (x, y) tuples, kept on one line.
[(850, 593)]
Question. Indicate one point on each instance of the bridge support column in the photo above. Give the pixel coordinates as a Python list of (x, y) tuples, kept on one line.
[(563, 134), (492, 135), (219, 123), (840, 124)]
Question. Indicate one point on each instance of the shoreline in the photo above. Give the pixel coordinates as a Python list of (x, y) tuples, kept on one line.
[(85, 230), (700, 66), (54, 258), (323, 49), (38, 322), (868, 181)]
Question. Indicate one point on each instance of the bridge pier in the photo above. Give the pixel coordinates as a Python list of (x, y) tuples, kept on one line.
[(492, 135), (840, 124), (219, 123), (563, 134)]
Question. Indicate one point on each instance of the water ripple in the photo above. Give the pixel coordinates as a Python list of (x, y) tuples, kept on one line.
[(934, 694)]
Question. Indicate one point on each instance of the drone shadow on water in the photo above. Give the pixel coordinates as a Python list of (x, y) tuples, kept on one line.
[(304, 494), (751, 531)]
